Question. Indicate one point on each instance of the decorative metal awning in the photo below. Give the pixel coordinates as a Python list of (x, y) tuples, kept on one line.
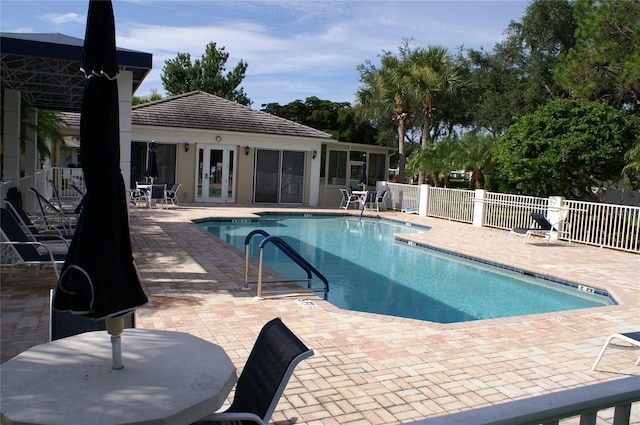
[(46, 69)]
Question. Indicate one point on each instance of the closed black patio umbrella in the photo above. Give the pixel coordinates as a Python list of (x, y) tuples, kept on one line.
[(363, 183), (152, 163), (363, 171), (99, 280)]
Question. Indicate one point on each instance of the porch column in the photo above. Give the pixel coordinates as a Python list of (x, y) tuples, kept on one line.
[(11, 137), (32, 163), (125, 92)]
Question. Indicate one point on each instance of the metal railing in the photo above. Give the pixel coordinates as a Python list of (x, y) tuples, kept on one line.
[(284, 247), (505, 211), (404, 197), (584, 402), (591, 223), (452, 204), (604, 225)]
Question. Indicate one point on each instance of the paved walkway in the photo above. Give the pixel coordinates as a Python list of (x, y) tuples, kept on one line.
[(368, 369)]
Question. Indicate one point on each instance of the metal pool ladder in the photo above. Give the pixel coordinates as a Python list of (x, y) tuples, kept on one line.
[(289, 252)]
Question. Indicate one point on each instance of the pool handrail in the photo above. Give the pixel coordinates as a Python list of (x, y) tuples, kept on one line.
[(284, 247)]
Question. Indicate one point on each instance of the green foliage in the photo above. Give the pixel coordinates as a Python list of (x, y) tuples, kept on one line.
[(605, 62), (517, 76), (153, 96), (565, 148), (207, 74), (435, 159), (474, 152), (337, 119)]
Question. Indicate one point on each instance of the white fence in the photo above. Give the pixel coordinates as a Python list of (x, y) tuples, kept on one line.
[(591, 223)]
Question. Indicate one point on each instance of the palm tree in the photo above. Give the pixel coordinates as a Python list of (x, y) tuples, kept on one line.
[(475, 150), (49, 127), (436, 81), (385, 91), (435, 159)]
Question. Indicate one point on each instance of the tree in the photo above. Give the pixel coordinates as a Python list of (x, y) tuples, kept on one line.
[(206, 74), (474, 152), (153, 96), (385, 92), (336, 118), (435, 159), (517, 76), (565, 148), (604, 64), (435, 82)]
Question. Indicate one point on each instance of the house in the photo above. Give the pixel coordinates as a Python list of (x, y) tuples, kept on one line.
[(224, 152)]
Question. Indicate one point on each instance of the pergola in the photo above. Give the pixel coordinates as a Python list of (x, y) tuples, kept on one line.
[(43, 71)]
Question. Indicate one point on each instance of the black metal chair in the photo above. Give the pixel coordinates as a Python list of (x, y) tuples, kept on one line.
[(274, 356)]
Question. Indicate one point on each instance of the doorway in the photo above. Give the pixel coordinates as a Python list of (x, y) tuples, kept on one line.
[(216, 174)]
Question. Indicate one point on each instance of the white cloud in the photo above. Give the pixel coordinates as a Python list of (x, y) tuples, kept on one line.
[(66, 18)]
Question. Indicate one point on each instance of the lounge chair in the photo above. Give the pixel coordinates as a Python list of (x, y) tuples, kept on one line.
[(274, 356), (172, 195), (63, 323), (544, 229), (631, 338), (30, 228), (52, 216), (17, 249), (349, 198), (57, 201), (57, 243)]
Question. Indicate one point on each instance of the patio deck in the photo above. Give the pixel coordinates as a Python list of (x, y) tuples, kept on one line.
[(368, 369)]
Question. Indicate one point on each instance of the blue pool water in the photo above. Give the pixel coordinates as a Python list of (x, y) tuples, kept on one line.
[(369, 271)]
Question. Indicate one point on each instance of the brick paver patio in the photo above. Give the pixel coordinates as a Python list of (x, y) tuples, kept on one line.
[(368, 369)]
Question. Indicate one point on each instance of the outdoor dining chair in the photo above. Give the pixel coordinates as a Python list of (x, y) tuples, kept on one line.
[(348, 198), (158, 194), (172, 195), (276, 353)]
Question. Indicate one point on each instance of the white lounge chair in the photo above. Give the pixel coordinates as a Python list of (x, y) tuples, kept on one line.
[(631, 338)]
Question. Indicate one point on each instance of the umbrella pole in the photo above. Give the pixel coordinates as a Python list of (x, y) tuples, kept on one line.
[(115, 326)]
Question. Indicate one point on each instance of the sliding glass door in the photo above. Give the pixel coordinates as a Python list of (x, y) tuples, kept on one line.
[(279, 177)]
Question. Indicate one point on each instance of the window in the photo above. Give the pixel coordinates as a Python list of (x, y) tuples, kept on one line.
[(376, 167), (337, 168), (165, 156)]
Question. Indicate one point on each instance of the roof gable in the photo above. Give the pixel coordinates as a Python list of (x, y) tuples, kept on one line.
[(201, 110)]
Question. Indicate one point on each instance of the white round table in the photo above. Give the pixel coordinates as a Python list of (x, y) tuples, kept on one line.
[(168, 378)]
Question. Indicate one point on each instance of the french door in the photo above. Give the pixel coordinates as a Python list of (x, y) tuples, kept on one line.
[(216, 174)]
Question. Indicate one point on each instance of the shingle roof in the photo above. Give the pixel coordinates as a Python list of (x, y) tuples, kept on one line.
[(200, 110)]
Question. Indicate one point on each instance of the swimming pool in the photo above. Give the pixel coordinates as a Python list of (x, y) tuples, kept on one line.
[(369, 271)]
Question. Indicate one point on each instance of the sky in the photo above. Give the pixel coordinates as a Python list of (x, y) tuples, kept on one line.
[(294, 49)]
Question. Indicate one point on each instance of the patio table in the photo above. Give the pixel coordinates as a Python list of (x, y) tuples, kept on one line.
[(168, 378), (363, 196)]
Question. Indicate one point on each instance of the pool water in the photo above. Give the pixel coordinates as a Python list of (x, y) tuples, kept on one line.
[(369, 271)]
